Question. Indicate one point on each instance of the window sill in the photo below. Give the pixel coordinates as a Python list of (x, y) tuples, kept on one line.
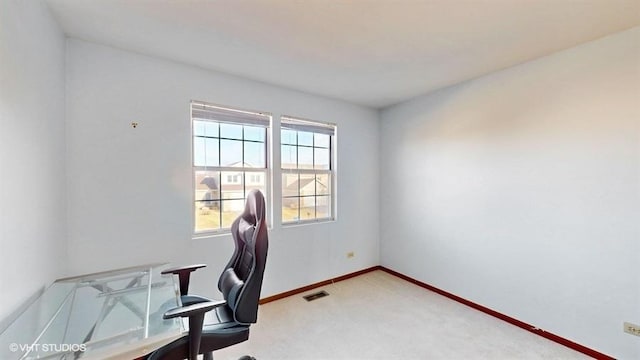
[(307, 222), (216, 234), (209, 235)]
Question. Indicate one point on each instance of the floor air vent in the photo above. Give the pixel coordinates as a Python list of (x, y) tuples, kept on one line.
[(316, 295)]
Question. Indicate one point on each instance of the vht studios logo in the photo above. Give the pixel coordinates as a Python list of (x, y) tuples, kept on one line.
[(47, 347)]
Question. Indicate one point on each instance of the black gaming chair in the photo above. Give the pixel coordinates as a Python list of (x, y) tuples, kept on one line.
[(227, 321)]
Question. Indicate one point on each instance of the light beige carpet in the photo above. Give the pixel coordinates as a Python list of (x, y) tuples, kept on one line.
[(379, 316)]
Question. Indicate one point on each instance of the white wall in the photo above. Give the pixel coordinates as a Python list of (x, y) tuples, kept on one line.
[(129, 195), (32, 161), (520, 191)]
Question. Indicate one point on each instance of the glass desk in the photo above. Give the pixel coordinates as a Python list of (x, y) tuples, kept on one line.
[(109, 315)]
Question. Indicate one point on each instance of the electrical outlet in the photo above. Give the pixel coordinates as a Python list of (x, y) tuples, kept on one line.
[(632, 329), (350, 254)]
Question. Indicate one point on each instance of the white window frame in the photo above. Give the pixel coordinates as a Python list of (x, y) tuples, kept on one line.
[(202, 111), (300, 124)]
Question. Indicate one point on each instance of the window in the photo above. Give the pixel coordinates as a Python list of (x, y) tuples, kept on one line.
[(229, 160), (307, 170)]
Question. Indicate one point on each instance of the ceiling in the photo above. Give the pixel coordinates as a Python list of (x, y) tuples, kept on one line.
[(369, 52)]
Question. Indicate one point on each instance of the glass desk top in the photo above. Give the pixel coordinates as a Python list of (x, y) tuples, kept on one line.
[(109, 315)]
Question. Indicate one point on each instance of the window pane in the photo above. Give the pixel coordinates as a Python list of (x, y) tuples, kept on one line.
[(288, 156), (212, 156), (321, 140), (254, 155), (205, 128), (198, 151), (230, 153), (207, 217), (307, 207), (290, 185), (231, 209), (305, 138), (288, 137), (305, 157), (232, 185), (290, 209), (323, 207), (207, 181), (255, 181), (199, 128), (207, 198), (207, 192), (321, 158), (323, 184), (290, 201), (211, 129), (231, 131), (254, 133), (307, 184)]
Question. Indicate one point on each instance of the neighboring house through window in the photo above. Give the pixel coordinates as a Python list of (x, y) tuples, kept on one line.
[(307, 151), (229, 160)]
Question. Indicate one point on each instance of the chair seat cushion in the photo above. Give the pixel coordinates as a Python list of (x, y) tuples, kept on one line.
[(219, 318), (221, 330), (215, 339)]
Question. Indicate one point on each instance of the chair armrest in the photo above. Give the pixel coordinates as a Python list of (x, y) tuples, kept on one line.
[(193, 299), (184, 273), (195, 313), (188, 268), (195, 309)]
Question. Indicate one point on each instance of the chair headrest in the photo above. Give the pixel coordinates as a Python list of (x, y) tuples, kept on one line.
[(254, 210)]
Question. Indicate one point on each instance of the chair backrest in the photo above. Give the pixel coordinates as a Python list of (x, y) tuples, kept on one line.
[(241, 280)]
